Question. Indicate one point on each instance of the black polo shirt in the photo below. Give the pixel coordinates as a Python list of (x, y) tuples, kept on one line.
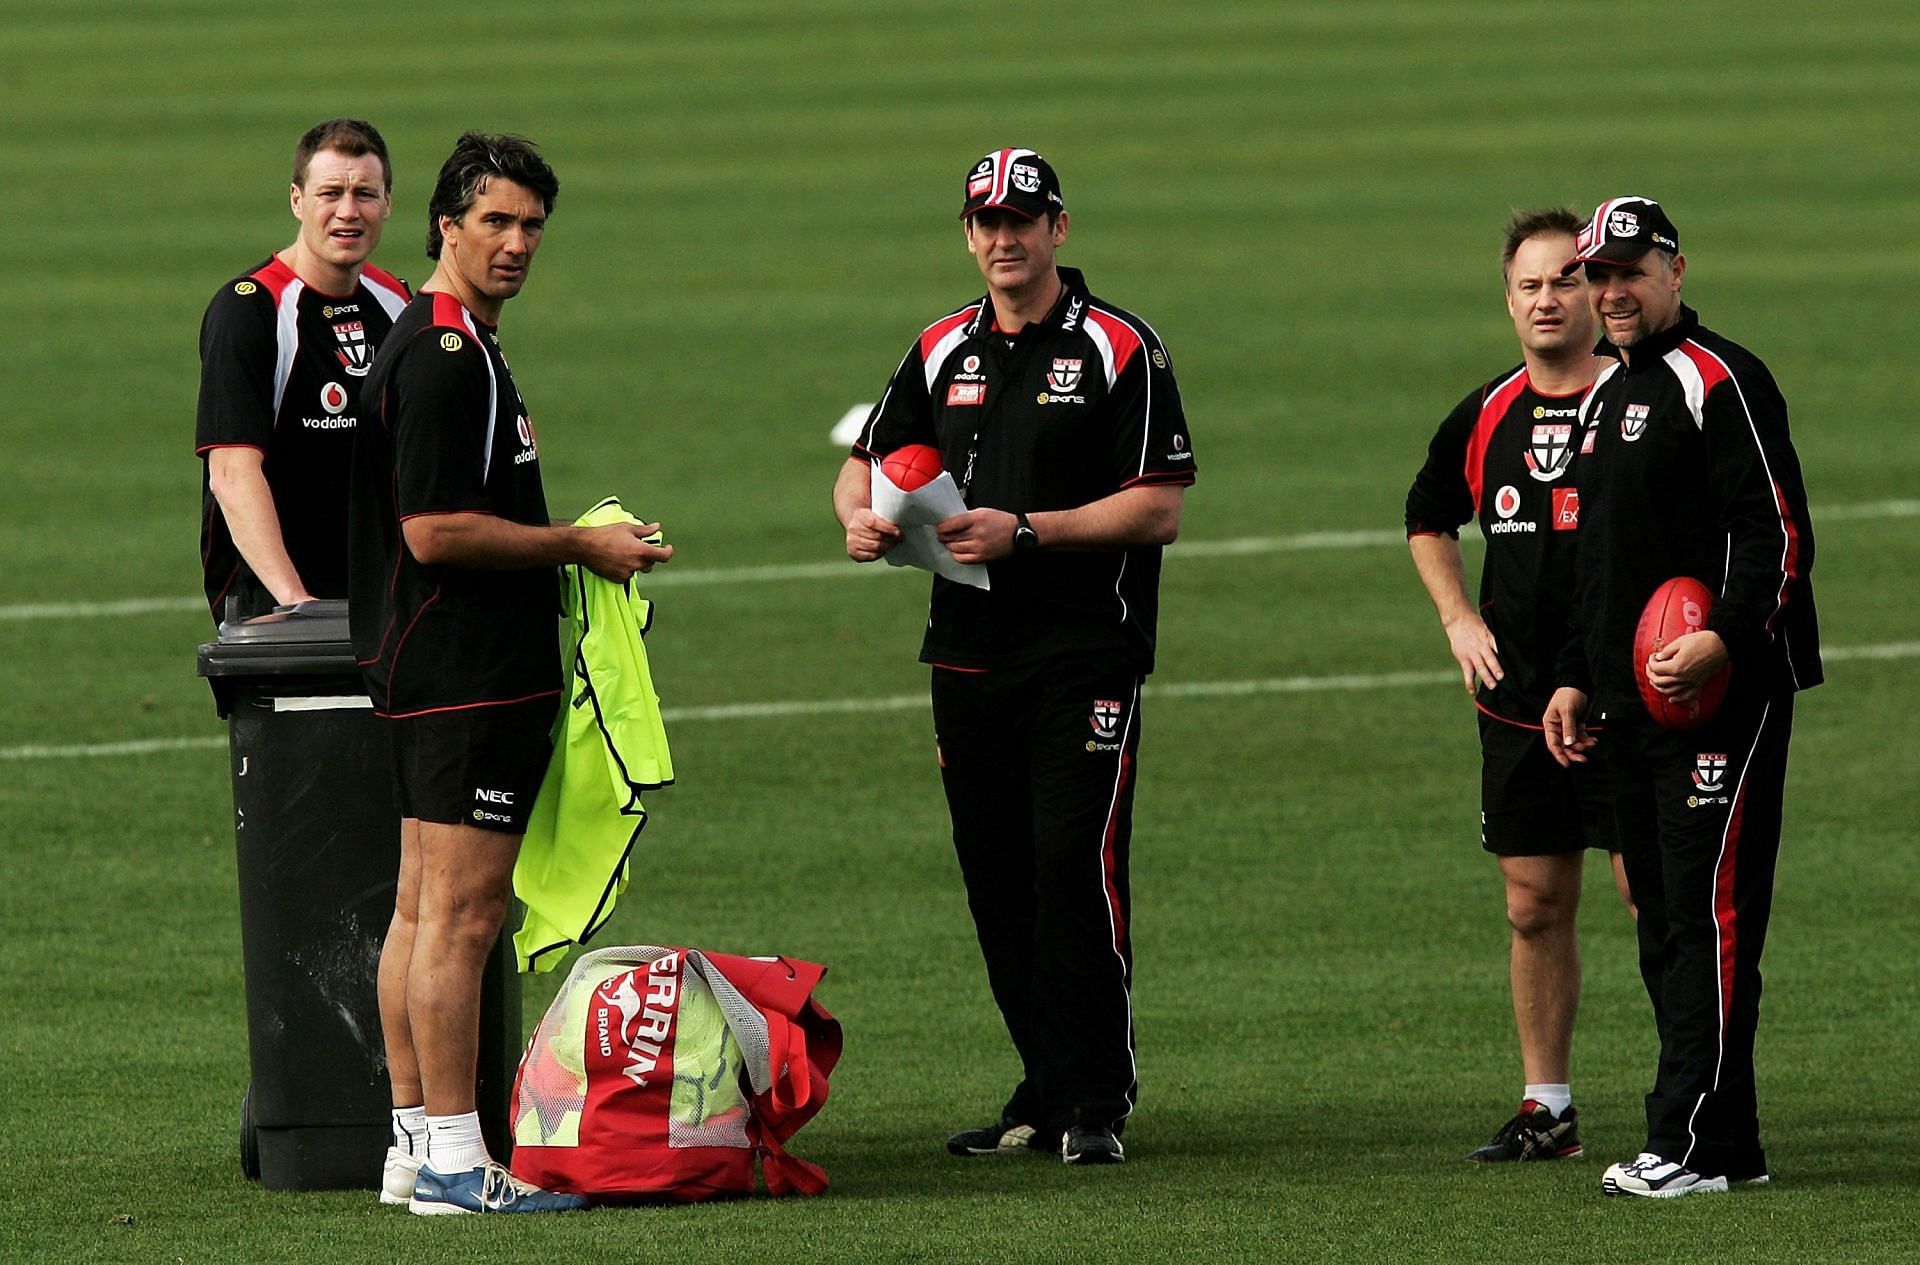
[(1072, 409), (1504, 457), (450, 434), (280, 370)]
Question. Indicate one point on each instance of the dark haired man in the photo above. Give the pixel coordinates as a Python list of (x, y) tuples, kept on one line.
[(1058, 416), (1502, 457), (283, 350), (454, 621), (1687, 469)]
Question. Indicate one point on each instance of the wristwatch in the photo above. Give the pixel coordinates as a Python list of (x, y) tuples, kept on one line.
[(1024, 538)]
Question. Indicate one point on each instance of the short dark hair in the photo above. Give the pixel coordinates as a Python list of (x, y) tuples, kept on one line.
[(352, 137), (1535, 223), (477, 157)]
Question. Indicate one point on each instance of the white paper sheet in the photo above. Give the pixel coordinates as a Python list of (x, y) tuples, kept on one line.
[(916, 513)]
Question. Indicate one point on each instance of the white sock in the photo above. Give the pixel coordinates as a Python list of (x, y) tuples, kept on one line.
[(454, 1143), (410, 1131), (1555, 1098)]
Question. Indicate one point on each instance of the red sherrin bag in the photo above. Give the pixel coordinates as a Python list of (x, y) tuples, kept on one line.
[(664, 1073)]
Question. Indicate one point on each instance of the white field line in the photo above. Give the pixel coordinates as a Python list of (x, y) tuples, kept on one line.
[(915, 702), (1233, 547)]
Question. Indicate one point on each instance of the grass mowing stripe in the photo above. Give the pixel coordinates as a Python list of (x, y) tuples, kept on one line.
[(909, 702), (1236, 547)]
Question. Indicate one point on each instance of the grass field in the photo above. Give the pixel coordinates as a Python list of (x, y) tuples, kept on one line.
[(756, 214)]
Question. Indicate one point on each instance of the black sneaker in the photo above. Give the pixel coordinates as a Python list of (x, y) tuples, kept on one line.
[(995, 1139), (1534, 1134), (1091, 1144)]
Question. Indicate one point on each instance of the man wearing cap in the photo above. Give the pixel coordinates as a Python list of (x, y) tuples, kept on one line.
[(1504, 457), (1687, 468), (283, 349), (1058, 416)]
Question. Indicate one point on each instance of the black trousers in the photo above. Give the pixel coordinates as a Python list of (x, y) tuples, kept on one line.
[(1039, 767), (1699, 822)]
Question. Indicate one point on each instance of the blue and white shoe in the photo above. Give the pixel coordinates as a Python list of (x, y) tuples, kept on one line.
[(1652, 1176), (397, 1178), (488, 1188)]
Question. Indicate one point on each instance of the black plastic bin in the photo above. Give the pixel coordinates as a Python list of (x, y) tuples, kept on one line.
[(318, 837)]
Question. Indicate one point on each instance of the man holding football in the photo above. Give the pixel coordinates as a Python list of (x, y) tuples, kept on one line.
[(1686, 468), (1058, 416), (1503, 456)]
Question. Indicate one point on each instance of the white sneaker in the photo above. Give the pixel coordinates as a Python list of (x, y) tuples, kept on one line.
[(396, 1180), (1650, 1176)]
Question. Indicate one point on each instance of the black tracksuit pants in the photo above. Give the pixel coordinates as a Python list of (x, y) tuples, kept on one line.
[(1699, 822), (1039, 767)]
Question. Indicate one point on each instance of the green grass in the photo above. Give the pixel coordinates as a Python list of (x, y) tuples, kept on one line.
[(756, 214)]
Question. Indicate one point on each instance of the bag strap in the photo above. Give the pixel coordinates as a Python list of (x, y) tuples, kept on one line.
[(785, 1174)]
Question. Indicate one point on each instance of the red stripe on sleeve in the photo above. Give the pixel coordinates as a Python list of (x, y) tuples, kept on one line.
[(1491, 412), (1120, 336), (932, 335)]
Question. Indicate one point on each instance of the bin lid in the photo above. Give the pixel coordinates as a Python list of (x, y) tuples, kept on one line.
[(308, 639)]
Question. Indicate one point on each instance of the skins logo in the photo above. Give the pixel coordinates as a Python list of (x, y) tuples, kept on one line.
[(244, 288), (333, 398), (1633, 423), (450, 341), (1551, 450), (1105, 718), (352, 351), (1065, 375), (1710, 772)]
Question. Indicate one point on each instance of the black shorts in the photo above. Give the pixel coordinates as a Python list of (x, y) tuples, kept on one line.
[(1530, 806), (475, 766)]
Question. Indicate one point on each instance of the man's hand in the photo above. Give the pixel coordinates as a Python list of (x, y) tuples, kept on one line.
[(617, 550), (1685, 664), (869, 536), (1566, 732), (981, 535), (1475, 649)]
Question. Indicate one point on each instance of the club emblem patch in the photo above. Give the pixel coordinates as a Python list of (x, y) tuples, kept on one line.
[(1623, 224), (1633, 423), (1026, 178), (352, 351), (1550, 451), (1710, 772), (1065, 375), (1106, 717)]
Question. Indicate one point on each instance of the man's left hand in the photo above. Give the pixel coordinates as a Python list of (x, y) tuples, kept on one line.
[(1685, 664), (981, 535)]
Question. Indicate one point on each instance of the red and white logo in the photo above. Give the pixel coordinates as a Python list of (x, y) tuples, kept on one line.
[(1551, 450), (1633, 422), (1566, 509), (525, 428), (1710, 771), (1106, 717), (970, 365), (352, 351), (1623, 224), (1065, 375), (333, 398), (1506, 502), (1026, 178), (1586, 441), (966, 393)]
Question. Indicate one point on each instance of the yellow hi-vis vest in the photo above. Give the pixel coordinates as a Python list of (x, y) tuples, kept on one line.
[(609, 744)]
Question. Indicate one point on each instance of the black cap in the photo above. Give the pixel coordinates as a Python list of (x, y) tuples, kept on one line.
[(1622, 230), (1017, 179)]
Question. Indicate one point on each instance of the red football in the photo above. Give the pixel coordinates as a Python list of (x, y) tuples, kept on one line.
[(912, 467), (1678, 607)]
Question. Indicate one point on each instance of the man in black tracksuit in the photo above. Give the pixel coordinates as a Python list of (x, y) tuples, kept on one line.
[(1686, 468), (1059, 419)]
